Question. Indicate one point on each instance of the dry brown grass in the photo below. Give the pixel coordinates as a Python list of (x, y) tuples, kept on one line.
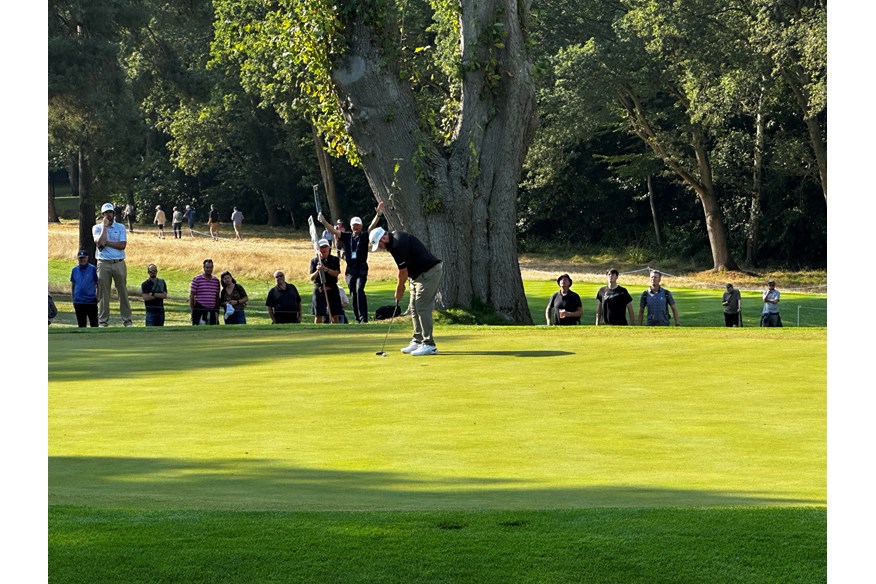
[(265, 249), (262, 251)]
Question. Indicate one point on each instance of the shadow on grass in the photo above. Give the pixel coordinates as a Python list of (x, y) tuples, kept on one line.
[(76, 356), (511, 353), (260, 484)]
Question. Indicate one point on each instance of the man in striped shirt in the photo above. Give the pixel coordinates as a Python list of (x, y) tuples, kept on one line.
[(204, 296)]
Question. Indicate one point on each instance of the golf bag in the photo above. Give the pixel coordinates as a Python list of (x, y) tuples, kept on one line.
[(388, 311)]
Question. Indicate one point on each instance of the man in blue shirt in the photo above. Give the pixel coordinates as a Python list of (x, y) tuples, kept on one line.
[(83, 284), (111, 240)]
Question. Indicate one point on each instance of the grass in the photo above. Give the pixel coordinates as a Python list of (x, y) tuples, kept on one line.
[(538, 455), (519, 454)]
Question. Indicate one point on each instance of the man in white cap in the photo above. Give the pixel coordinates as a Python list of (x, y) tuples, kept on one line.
[(111, 240), (355, 244), (416, 262), (324, 271)]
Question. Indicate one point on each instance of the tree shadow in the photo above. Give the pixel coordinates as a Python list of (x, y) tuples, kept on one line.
[(264, 484), (511, 353)]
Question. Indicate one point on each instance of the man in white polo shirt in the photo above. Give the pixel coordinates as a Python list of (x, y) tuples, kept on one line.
[(111, 239)]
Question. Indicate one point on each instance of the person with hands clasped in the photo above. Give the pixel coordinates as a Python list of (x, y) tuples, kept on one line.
[(232, 299), (770, 316), (154, 291), (564, 307), (324, 272)]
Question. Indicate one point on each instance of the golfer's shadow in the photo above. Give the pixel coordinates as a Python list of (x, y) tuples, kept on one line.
[(510, 353)]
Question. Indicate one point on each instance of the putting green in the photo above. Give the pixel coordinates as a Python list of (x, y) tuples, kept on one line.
[(308, 417)]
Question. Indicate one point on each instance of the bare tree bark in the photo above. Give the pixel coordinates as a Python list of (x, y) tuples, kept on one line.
[(53, 211), (328, 176), (654, 211), (86, 205), (752, 241)]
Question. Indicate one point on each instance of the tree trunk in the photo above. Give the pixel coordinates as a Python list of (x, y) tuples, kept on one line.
[(460, 200), (701, 185), (328, 177), (796, 78), (270, 209), (752, 241), (86, 205), (654, 211), (53, 212)]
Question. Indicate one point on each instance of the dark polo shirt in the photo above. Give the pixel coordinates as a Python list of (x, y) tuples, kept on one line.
[(409, 252)]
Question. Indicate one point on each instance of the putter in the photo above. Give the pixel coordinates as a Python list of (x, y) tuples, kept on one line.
[(382, 352)]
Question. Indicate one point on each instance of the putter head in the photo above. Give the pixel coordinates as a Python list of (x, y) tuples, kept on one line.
[(380, 353)]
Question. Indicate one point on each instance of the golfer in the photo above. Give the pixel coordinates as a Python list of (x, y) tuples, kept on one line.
[(414, 261)]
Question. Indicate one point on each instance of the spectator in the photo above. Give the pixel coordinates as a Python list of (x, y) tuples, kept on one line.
[(160, 220), (111, 240), (83, 285), (237, 221), (213, 222), (770, 316), (154, 291), (232, 299), (178, 217), (53, 310), (189, 216), (355, 244), (615, 302), (565, 307), (658, 300), (732, 302), (424, 270), (204, 296), (130, 215), (324, 271), (283, 301)]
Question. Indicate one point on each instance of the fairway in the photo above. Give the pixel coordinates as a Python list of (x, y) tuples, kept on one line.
[(308, 418)]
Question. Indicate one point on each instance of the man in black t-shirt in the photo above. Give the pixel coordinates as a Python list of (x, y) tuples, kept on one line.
[(416, 262), (564, 307), (283, 301), (615, 302), (324, 271), (213, 222)]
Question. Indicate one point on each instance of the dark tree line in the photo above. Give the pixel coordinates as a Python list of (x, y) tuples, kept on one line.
[(694, 129)]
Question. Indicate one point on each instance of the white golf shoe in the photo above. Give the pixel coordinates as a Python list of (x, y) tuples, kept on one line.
[(411, 348), (425, 350)]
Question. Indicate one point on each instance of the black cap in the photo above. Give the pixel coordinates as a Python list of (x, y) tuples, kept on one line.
[(82, 254), (565, 276)]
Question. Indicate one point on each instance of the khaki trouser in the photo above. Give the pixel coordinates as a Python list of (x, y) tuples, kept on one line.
[(107, 273), (423, 292)]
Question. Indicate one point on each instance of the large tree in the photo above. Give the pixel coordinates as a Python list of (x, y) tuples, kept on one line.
[(433, 99), (93, 120)]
